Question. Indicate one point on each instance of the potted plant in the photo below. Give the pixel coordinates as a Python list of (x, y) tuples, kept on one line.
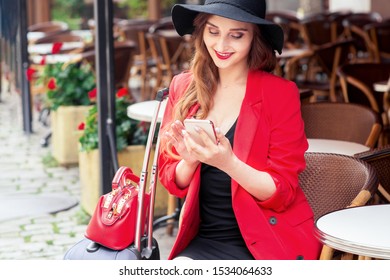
[(67, 86), (131, 136)]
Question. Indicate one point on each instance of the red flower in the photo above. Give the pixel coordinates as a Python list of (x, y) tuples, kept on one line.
[(81, 126), (52, 84), (30, 73), (43, 60), (56, 47), (92, 94), (122, 92), (144, 126)]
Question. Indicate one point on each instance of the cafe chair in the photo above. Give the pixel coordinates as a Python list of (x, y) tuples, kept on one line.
[(164, 23), (92, 27), (123, 61), (124, 52), (321, 69), (379, 159), (379, 35), (336, 21), (316, 30), (333, 182), (291, 26), (354, 29), (341, 121), (163, 51), (357, 83), (144, 64)]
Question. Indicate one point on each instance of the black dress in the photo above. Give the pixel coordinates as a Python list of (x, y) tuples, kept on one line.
[(219, 237)]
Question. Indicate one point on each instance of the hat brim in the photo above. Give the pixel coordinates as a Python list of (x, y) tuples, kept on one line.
[(183, 17)]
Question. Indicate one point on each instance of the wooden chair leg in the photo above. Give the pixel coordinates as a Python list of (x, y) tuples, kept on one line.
[(326, 253), (347, 256), (170, 210)]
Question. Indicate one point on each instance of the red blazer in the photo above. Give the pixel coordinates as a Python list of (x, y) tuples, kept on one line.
[(269, 136)]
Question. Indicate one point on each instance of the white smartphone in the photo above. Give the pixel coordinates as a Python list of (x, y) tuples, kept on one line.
[(206, 125)]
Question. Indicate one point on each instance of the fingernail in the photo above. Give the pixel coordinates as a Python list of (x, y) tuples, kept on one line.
[(217, 130), (183, 132)]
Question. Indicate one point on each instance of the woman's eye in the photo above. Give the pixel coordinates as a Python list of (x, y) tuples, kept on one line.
[(237, 35), (213, 31)]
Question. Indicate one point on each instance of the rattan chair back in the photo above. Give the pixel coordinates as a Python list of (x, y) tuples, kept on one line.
[(379, 34), (354, 29), (333, 181), (316, 30), (341, 121), (357, 82), (123, 60), (379, 158)]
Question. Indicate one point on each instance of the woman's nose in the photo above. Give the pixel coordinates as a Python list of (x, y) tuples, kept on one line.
[(222, 43)]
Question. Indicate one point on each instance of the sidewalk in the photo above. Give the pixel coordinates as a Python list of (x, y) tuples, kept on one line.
[(40, 217)]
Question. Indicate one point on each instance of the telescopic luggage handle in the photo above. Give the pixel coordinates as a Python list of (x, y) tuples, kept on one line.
[(160, 97)]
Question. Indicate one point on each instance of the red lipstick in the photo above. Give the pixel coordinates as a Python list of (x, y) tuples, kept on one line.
[(223, 56)]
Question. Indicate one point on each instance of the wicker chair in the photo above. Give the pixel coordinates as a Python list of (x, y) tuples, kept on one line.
[(123, 61), (163, 50), (341, 121), (332, 182), (144, 64), (357, 83), (379, 34), (291, 26), (354, 29), (316, 30), (379, 158), (321, 73)]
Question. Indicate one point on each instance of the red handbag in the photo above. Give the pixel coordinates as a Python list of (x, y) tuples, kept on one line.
[(113, 222)]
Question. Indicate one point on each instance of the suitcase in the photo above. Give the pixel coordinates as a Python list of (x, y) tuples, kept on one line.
[(145, 247)]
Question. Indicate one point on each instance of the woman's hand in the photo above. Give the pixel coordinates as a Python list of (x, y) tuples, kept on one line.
[(175, 137), (187, 166), (218, 154)]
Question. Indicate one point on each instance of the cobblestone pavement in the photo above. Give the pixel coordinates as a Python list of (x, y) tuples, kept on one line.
[(32, 234)]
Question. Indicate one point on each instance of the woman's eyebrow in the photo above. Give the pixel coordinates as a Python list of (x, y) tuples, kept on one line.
[(233, 29)]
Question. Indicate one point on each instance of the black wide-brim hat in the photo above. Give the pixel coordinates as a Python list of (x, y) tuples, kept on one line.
[(252, 11)]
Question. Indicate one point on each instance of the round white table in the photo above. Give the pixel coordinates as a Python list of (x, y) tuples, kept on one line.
[(335, 147), (288, 53), (363, 230), (143, 111), (381, 86)]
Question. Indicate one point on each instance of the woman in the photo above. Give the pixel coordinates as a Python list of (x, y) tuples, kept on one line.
[(243, 200)]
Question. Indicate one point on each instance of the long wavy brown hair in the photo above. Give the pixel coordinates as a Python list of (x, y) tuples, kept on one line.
[(205, 72)]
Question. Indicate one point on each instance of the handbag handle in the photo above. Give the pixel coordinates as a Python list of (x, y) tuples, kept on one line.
[(123, 174)]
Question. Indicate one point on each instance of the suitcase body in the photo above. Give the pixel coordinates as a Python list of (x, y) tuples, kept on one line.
[(145, 247), (86, 249)]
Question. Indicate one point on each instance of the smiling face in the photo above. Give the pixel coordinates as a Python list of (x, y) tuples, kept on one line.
[(228, 41)]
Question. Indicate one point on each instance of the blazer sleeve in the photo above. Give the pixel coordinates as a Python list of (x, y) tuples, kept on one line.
[(167, 164), (287, 144)]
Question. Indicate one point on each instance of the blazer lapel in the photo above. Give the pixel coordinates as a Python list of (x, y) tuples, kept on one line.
[(249, 116), (248, 122)]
